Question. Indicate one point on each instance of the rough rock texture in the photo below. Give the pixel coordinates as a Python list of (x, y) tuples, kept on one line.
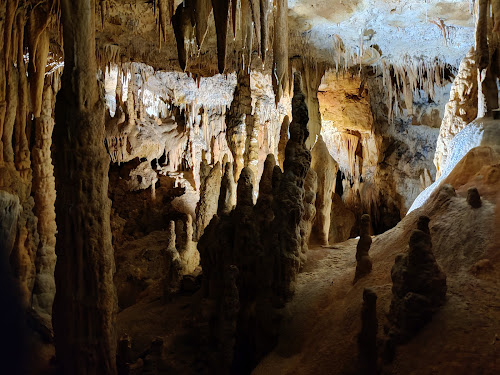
[(419, 286), (473, 198), (227, 195), (364, 262), (209, 197), (237, 120), (306, 223), (190, 257), (459, 111), (173, 265), (85, 301), (9, 211), (342, 221), (263, 242), (367, 338), (44, 192), (326, 169)]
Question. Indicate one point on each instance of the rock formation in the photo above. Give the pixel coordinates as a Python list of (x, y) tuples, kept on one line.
[(419, 286), (45, 196), (238, 119), (263, 241), (227, 195), (208, 203), (85, 301), (306, 223), (342, 221), (173, 266), (459, 111), (326, 169), (367, 338), (364, 262), (473, 198)]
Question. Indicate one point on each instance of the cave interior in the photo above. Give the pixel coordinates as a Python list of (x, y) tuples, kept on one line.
[(250, 187)]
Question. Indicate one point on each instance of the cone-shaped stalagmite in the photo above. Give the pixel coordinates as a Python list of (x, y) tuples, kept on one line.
[(85, 301)]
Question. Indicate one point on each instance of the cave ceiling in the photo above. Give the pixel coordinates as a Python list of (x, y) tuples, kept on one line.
[(340, 32)]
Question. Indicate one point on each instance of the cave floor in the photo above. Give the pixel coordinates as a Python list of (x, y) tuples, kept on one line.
[(319, 335)]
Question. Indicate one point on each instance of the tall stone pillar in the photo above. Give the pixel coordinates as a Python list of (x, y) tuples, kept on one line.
[(84, 305)]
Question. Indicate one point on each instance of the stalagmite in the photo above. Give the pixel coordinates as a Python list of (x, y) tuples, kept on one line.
[(306, 223), (473, 198), (227, 196), (173, 265), (326, 169), (419, 288), (312, 73), (221, 16), (364, 262), (367, 338), (237, 119), (209, 195), (85, 301), (280, 50), (283, 140), (289, 188)]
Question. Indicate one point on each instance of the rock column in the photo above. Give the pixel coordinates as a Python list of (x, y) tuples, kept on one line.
[(85, 301)]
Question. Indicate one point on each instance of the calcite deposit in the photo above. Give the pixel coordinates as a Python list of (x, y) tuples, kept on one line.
[(182, 185)]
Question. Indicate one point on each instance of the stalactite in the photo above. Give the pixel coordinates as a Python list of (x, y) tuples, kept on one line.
[(255, 8), (280, 51), (264, 26), (85, 301), (10, 114), (351, 141), (202, 10), (247, 31), (221, 16), (183, 30), (8, 32), (38, 47), (21, 150), (165, 13)]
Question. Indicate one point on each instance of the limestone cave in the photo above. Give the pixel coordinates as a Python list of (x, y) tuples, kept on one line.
[(238, 187)]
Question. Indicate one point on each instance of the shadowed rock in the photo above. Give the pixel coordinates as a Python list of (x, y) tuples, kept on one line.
[(367, 338), (364, 262), (419, 288), (473, 198)]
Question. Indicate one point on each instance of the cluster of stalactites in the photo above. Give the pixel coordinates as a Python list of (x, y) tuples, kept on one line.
[(22, 72), (251, 22), (410, 77)]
